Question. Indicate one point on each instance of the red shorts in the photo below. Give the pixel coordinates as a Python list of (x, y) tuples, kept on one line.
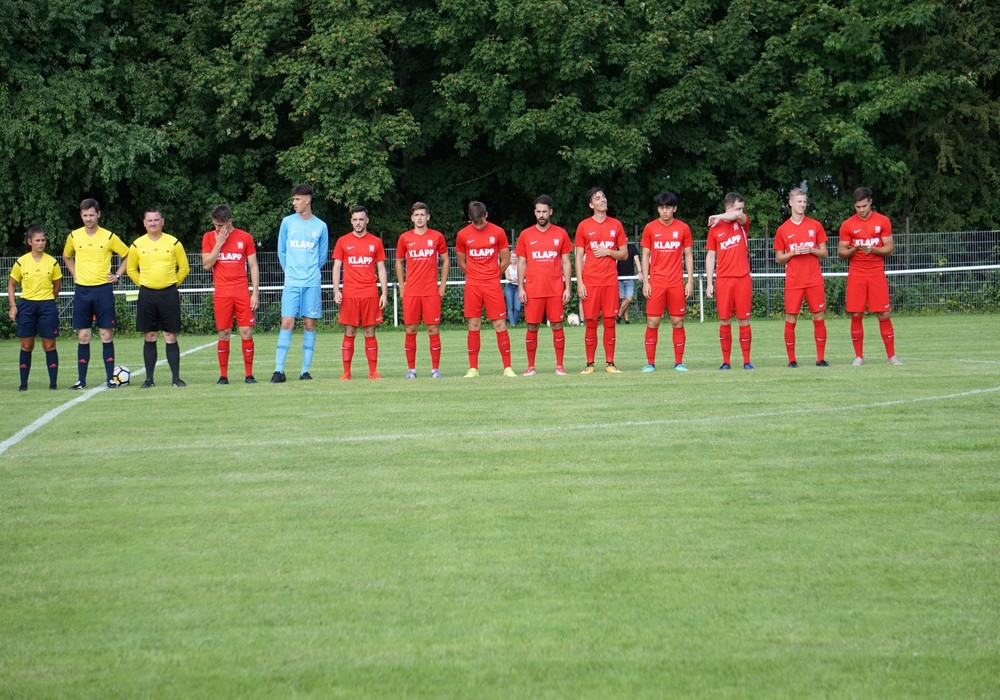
[(861, 290), (426, 309), (733, 293), (228, 306), (360, 312), (490, 297), (601, 301), (671, 300), (548, 308), (815, 296)]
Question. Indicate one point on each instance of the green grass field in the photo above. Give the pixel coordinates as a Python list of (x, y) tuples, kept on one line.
[(777, 533)]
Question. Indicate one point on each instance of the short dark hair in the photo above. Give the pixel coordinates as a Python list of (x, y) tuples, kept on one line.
[(152, 210), (302, 188), (90, 203), (418, 206), (358, 209), (477, 211), (731, 199), (223, 213), (666, 199), (32, 230), (593, 191), (544, 199), (861, 194)]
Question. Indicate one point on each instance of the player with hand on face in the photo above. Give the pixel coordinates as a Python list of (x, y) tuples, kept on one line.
[(227, 252), (40, 278), (543, 280), (728, 236), (362, 258)]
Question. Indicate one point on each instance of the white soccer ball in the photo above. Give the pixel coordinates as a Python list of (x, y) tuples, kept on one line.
[(121, 375), (572, 320)]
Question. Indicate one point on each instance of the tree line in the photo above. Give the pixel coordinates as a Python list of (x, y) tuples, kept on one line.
[(184, 105)]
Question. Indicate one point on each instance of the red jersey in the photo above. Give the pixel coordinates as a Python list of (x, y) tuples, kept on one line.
[(359, 257), (230, 270), (590, 235), (859, 232), (729, 241), (666, 244), (542, 252), (421, 251), (482, 253), (801, 271)]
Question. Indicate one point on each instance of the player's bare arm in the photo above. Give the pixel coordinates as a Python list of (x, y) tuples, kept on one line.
[(567, 276), (383, 281), (710, 274), (445, 269), (581, 288), (462, 261), (399, 276), (644, 266), (522, 267), (845, 250), (338, 294), (689, 266), (504, 256), (254, 282)]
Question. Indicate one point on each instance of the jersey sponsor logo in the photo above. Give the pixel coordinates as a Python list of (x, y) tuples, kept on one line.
[(793, 247), (666, 245), (421, 253), (481, 252), (360, 260), (731, 241), (230, 257), (603, 244), (304, 245), (544, 254), (874, 242)]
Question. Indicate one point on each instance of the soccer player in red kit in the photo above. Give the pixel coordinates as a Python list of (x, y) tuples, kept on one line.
[(483, 253), (866, 241), (666, 255), (728, 257), (543, 277), (227, 252), (799, 244), (600, 243), (422, 249), (362, 258)]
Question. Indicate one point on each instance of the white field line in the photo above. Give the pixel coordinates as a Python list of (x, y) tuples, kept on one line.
[(47, 418), (505, 432)]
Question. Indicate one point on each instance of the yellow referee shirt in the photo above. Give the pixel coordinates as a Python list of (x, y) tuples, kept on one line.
[(157, 264), (36, 278), (93, 254)]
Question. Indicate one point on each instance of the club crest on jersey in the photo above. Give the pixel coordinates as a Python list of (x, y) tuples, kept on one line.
[(878, 229), (430, 243), (239, 244), (371, 249), (493, 240), (555, 241)]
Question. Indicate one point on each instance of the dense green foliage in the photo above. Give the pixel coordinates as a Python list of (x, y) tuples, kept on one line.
[(186, 104)]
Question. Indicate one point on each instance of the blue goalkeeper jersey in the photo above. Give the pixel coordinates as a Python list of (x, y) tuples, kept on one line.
[(303, 246)]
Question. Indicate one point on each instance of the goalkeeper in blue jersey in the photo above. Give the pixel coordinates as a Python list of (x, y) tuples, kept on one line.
[(303, 246)]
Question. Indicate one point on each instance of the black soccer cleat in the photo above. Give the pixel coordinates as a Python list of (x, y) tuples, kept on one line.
[(179, 383), (250, 379), (278, 378), (223, 381), (305, 376), (148, 384), (79, 385)]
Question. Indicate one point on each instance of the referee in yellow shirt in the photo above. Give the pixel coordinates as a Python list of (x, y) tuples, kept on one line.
[(158, 264)]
